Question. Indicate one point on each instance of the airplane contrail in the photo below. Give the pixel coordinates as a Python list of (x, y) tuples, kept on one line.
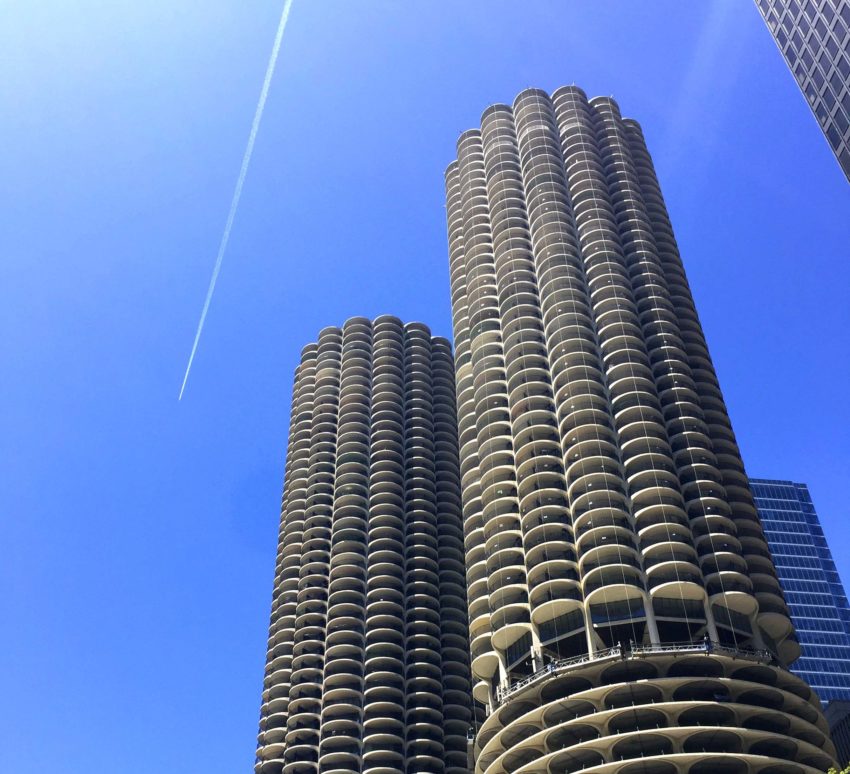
[(240, 181)]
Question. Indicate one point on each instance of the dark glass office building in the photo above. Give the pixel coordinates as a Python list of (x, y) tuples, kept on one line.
[(811, 584), (814, 38), (838, 717)]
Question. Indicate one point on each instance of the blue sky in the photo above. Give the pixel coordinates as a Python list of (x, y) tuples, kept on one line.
[(137, 534)]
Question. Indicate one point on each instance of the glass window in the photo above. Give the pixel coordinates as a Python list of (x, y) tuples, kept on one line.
[(809, 10), (827, 11), (833, 136), (832, 47), (843, 66), (836, 82), (820, 29)]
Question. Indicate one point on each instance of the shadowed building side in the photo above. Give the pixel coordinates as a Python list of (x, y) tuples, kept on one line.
[(368, 666), (614, 555), (812, 586)]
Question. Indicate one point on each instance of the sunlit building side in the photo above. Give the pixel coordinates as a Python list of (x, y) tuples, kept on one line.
[(813, 37), (624, 611)]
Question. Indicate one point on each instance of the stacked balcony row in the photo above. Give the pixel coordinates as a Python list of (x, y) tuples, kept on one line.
[(367, 667), (604, 498), (660, 711)]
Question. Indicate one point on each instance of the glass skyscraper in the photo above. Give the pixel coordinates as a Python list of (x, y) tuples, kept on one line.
[(811, 584), (814, 38)]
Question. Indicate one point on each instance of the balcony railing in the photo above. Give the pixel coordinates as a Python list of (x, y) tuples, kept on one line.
[(505, 692)]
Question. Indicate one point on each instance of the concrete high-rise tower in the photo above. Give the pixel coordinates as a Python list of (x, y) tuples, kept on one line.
[(368, 664), (813, 37), (624, 610)]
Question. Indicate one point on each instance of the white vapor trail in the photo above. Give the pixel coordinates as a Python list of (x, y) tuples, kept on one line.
[(237, 192)]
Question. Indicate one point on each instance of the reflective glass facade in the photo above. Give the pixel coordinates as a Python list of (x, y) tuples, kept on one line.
[(811, 584), (814, 38)]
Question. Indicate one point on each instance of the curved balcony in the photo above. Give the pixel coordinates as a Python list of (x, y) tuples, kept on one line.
[(681, 705), (350, 470)]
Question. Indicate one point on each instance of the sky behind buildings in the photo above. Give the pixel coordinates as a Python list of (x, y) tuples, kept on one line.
[(138, 534)]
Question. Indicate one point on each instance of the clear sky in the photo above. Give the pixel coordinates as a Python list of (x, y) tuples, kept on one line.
[(137, 534)]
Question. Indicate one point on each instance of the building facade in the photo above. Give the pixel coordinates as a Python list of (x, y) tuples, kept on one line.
[(368, 665), (813, 590), (624, 611), (814, 38), (838, 717)]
